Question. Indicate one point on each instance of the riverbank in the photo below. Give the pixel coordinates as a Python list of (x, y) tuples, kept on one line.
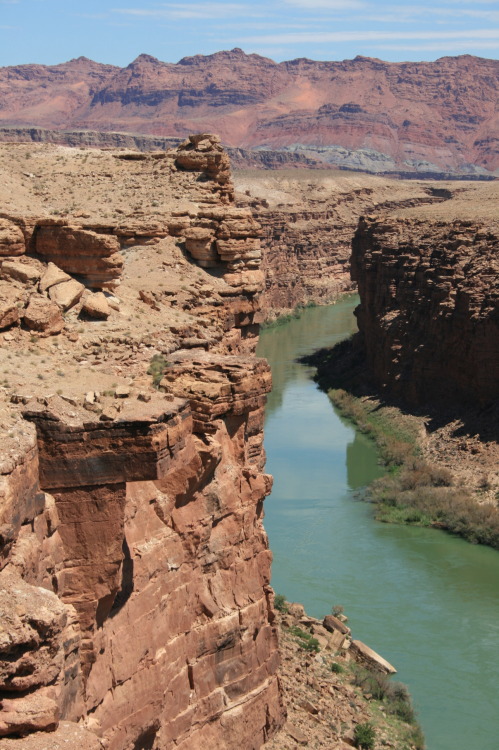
[(438, 472), (332, 700)]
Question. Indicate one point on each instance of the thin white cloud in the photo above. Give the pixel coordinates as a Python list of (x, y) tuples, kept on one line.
[(333, 5), (192, 10), (442, 47), (320, 37), (406, 13)]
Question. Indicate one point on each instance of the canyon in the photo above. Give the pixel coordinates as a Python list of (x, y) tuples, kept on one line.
[(135, 589), (135, 592), (436, 118)]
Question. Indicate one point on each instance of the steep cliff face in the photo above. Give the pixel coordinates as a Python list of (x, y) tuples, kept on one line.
[(135, 595), (429, 312), (308, 220), (364, 113)]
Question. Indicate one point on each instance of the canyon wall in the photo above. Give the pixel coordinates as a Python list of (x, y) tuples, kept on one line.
[(135, 600), (413, 117), (429, 310), (308, 219)]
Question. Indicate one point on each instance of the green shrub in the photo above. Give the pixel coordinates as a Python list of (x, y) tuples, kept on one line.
[(305, 640), (280, 603), (365, 736), (156, 368), (337, 668)]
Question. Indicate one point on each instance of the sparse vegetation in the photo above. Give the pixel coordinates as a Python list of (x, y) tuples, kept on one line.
[(280, 603), (337, 668), (156, 369), (305, 640), (365, 736), (414, 491)]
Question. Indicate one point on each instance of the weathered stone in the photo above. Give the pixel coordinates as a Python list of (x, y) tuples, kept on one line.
[(52, 276), (96, 306), (19, 271), (332, 624), (365, 655), (43, 316), (30, 713), (296, 734), (10, 303), (11, 238), (79, 251), (66, 294)]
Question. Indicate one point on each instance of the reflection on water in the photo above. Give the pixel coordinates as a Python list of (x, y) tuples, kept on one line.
[(426, 601)]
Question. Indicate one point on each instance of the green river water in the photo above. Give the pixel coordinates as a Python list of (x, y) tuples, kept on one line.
[(428, 602)]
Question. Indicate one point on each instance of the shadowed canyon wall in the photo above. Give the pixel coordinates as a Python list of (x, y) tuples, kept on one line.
[(429, 311)]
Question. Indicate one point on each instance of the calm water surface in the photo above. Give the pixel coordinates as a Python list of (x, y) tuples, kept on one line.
[(427, 602)]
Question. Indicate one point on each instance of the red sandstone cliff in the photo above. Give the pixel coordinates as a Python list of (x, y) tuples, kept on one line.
[(134, 593), (363, 113)]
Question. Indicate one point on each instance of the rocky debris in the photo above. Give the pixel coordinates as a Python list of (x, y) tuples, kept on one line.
[(96, 306), (428, 316), (11, 239), (10, 305), (323, 703), (43, 316)]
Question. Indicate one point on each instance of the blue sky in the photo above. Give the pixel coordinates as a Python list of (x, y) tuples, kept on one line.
[(116, 31)]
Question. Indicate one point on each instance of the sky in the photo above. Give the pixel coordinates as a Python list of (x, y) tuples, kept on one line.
[(117, 31)]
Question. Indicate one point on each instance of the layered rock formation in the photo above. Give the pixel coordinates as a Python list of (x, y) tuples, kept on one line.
[(135, 601), (429, 312), (431, 117), (308, 220)]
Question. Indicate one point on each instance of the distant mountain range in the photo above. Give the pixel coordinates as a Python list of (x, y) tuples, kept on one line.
[(367, 114)]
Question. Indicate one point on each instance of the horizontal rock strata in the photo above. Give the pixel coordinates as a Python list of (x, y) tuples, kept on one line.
[(424, 117), (135, 595), (429, 312)]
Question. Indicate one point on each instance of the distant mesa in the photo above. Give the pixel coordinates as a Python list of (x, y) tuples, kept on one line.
[(352, 114)]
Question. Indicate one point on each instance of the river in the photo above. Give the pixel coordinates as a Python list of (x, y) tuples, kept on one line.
[(426, 601)]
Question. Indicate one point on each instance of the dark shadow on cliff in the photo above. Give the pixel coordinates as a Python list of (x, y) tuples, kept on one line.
[(344, 366), (126, 588)]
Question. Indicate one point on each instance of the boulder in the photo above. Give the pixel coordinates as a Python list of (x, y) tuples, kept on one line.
[(67, 294), (23, 272), (96, 306), (9, 306), (30, 713), (52, 276), (365, 655), (11, 239), (296, 734), (333, 624), (43, 316)]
